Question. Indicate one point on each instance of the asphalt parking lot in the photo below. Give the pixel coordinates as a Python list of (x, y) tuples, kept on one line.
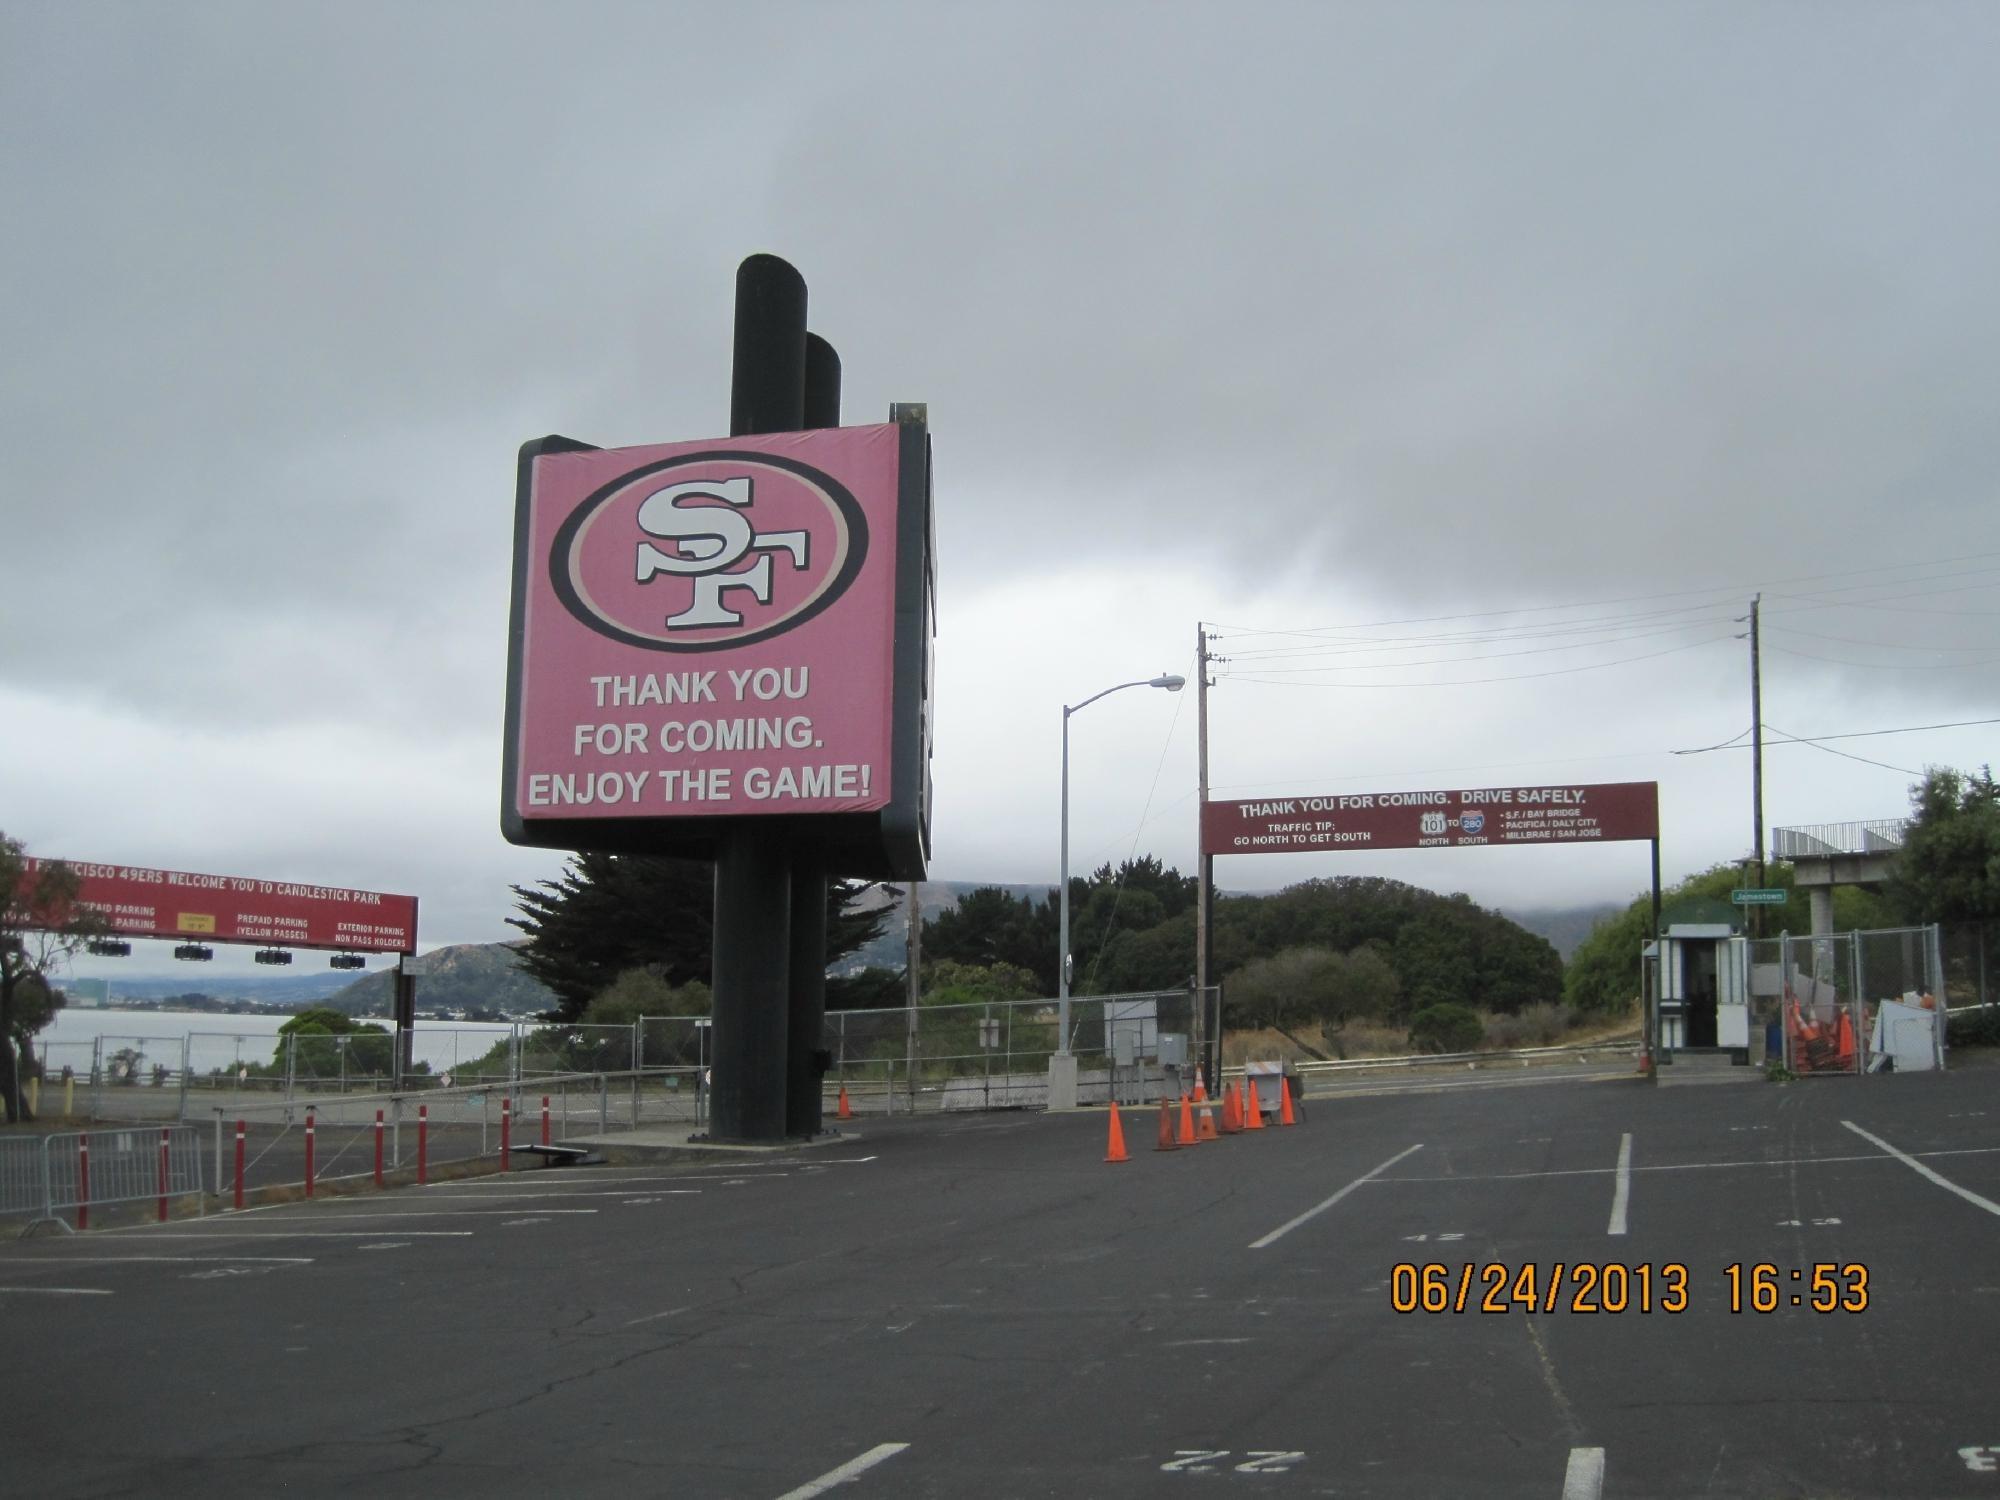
[(981, 1306)]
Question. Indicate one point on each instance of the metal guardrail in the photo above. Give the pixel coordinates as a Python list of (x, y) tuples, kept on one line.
[(84, 1169), (1430, 1059), (1824, 840)]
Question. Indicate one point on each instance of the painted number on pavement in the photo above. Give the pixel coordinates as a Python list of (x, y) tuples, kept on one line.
[(1981, 1460), (1214, 1460)]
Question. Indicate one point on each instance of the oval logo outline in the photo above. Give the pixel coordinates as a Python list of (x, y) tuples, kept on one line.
[(845, 508)]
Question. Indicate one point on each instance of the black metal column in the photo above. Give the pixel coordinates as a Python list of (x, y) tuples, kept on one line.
[(807, 984), (803, 1113), (753, 876), (753, 910)]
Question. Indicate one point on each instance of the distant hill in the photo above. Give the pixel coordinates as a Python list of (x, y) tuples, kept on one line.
[(468, 977), (1564, 926), (297, 989), (891, 949)]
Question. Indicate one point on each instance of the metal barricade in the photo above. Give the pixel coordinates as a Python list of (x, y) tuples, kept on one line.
[(24, 1177), (86, 1169)]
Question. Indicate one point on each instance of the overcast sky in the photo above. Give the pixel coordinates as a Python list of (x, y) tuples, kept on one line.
[(1467, 367)]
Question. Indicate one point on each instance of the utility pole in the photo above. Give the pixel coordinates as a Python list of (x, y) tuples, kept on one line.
[(1204, 866), (1757, 759)]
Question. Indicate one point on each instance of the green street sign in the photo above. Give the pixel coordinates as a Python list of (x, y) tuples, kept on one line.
[(1759, 898)]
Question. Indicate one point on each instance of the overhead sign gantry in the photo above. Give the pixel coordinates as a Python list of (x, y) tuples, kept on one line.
[(1588, 813), (137, 902)]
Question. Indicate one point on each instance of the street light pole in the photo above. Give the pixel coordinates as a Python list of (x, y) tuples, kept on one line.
[(1173, 683)]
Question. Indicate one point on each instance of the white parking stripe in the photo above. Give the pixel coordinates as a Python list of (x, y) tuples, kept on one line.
[(1621, 1196), (845, 1472), (68, 1291), (1584, 1479), (1918, 1167), (593, 1193), (317, 1234), (1319, 1208), (340, 1215), (1685, 1166), (177, 1260)]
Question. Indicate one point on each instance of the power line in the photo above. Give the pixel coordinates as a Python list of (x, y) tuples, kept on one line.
[(1613, 627), (1848, 640), (1470, 681), (1721, 593), (1637, 635), (1885, 666), (1854, 734), (1843, 754)]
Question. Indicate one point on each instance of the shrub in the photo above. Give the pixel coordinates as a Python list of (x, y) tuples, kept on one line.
[(1446, 1028), (1367, 1039), (1973, 1028)]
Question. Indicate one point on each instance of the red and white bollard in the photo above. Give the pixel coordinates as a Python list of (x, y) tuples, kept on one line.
[(423, 1143), (506, 1132), (378, 1148), (309, 1153), (163, 1175), (83, 1182), (545, 1119), (239, 1163)]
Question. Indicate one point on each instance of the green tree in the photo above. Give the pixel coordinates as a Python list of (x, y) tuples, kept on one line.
[(610, 913), (956, 998), (1159, 958), (872, 988), (641, 992), (42, 924), (1445, 1028), (991, 926), (1949, 870), (1299, 987), (1602, 976), (369, 1047)]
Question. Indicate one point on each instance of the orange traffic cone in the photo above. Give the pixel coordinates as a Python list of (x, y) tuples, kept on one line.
[(1232, 1115), (1253, 1107), (844, 1113), (1187, 1137), (1206, 1129), (1285, 1116), (1114, 1149), (1844, 1047), (1166, 1142)]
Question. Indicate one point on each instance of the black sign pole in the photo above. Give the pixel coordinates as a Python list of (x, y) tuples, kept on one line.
[(803, 1108), (753, 867), (1650, 1024)]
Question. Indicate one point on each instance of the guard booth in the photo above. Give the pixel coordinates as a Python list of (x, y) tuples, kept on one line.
[(1698, 983)]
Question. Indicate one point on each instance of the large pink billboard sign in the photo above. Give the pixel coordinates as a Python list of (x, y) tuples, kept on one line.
[(147, 903), (1593, 813), (732, 628)]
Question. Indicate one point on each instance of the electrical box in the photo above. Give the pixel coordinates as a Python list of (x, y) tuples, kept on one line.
[(1173, 1049)]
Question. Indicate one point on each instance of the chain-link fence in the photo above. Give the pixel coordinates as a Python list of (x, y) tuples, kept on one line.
[(1863, 1002), (986, 1055), (995, 1055), (1971, 954)]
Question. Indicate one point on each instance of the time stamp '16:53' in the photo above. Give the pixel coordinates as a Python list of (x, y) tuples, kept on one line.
[(1614, 1287)]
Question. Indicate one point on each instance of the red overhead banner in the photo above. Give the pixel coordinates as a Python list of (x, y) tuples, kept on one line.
[(1601, 813), (229, 909)]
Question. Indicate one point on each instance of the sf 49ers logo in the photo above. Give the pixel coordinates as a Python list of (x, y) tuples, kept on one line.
[(708, 550)]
